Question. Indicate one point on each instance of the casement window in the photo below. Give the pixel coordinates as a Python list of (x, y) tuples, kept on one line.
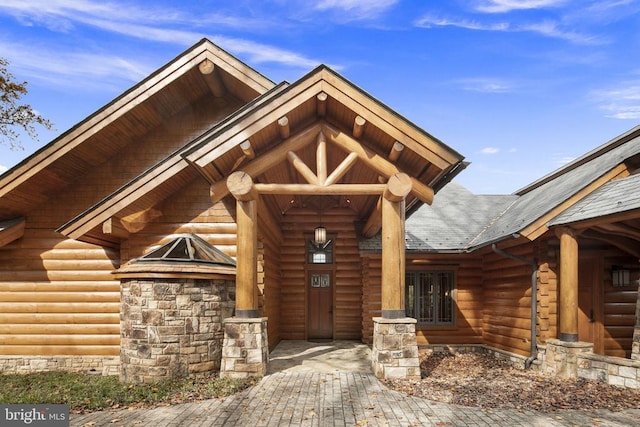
[(429, 297)]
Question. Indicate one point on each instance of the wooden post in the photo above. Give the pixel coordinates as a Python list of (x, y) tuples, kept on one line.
[(241, 187), (393, 247), (568, 284)]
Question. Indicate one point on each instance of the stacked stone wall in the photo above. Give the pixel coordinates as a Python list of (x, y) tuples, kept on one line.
[(172, 327), (102, 365)]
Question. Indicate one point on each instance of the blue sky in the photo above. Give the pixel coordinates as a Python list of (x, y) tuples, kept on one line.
[(519, 87)]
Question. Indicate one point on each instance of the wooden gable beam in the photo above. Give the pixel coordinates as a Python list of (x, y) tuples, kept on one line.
[(211, 77), (539, 227), (115, 228), (375, 161), (321, 104), (11, 230), (268, 160)]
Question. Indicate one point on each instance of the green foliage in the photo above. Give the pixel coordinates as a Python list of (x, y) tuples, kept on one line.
[(13, 115), (95, 392)]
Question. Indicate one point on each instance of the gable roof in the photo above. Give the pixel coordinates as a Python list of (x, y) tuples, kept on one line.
[(543, 200), (259, 124), (202, 69), (593, 186), (614, 198)]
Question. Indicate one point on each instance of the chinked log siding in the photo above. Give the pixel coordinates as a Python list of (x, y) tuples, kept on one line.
[(297, 226)]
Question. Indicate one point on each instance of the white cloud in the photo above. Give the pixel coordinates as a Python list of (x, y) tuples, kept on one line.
[(72, 68), (152, 24), (357, 9), (503, 6), (546, 28), (622, 102), (561, 159), (485, 85), (490, 150), (3, 169), (431, 21)]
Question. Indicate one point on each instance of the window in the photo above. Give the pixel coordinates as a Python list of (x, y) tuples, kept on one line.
[(321, 253), (429, 296)]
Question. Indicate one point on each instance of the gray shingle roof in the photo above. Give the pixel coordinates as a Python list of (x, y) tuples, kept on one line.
[(461, 221), (612, 198), (538, 201), (450, 223)]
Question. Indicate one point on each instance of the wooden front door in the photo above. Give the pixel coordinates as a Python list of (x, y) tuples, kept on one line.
[(588, 299), (319, 304)]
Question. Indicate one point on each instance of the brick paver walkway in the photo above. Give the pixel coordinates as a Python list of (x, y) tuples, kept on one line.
[(338, 399)]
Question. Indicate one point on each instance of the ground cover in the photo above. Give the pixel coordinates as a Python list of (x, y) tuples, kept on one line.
[(483, 381), (95, 392)]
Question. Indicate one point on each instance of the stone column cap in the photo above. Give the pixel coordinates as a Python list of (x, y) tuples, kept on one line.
[(402, 320), (243, 320)]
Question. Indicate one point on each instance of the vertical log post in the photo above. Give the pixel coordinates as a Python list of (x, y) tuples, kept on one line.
[(393, 247), (240, 186), (568, 284)]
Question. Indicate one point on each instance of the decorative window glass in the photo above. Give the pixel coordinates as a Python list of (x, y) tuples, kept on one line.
[(320, 253), (429, 296), (320, 281)]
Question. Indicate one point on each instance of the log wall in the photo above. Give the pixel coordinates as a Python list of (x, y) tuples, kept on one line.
[(347, 315), (467, 327), (618, 309), (57, 296), (506, 300)]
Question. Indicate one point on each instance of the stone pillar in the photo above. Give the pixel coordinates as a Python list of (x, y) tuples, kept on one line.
[(561, 357), (245, 351), (395, 348), (635, 347), (568, 284)]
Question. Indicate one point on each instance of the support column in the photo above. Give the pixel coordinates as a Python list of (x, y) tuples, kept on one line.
[(393, 246), (568, 284), (395, 348), (240, 185), (245, 349)]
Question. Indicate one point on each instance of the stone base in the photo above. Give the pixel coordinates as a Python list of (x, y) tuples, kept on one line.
[(561, 357), (245, 349), (395, 349), (100, 365)]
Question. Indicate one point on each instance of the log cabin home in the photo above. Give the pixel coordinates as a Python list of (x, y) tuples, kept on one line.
[(208, 213)]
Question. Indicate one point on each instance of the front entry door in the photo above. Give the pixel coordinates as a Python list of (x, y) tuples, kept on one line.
[(320, 304), (588, 297)]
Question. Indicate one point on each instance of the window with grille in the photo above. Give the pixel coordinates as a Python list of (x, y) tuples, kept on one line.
[(429, 296)]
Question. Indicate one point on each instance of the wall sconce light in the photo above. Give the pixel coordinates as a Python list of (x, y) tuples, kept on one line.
[(320, 235), (620, 276)]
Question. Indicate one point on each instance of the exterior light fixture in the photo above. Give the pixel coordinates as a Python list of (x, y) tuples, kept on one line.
[(320, 235)]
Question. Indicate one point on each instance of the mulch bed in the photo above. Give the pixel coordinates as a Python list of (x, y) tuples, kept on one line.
[(483, 381)]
